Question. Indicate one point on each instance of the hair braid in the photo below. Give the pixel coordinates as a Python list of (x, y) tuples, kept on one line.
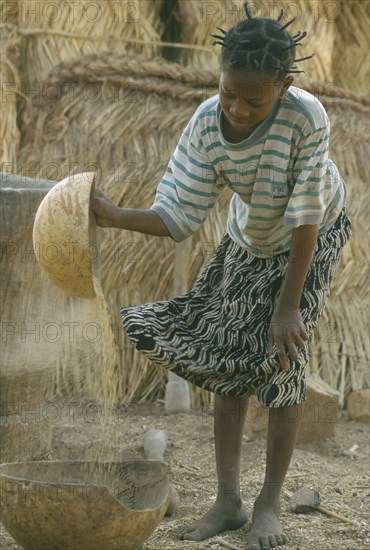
[(260, 44)]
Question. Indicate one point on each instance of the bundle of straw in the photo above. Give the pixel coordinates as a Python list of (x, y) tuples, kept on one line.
[(200, 18), (128, 139), (62, 31), (46, 333), (352, 45), (9, 88), (9, 85), (9, 12)]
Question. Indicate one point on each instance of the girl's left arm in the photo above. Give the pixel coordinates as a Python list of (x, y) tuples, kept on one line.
[(286, 328)]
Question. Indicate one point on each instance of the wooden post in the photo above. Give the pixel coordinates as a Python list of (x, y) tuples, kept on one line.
[(177, 396)]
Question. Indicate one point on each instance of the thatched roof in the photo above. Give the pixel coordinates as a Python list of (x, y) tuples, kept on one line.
[(120, 115), (9, 89), (200, 19), (127, 134), (53, 33), (351, 68), (48, 346)]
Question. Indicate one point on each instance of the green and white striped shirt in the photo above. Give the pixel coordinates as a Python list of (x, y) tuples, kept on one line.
[(281, 176)]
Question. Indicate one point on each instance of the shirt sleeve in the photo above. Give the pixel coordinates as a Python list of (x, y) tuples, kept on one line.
[(188, 189), (307, 202)]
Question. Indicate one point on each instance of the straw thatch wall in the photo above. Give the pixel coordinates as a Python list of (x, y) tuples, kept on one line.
[(38, 34), (51, 342), (352, 45), (62, 31), (121, 116), (9, 88), (127, 136), (199, 18), (9, 11), (128, 139)]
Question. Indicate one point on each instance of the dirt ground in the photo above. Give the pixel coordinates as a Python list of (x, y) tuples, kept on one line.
[(336, 467)]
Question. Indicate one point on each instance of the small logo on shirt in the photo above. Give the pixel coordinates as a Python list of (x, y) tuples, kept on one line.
[(279, 191)]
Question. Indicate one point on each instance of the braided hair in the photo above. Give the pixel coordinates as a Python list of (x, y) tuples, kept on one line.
[(260, 44)]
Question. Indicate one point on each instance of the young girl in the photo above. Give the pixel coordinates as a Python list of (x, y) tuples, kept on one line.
[(245, 326)]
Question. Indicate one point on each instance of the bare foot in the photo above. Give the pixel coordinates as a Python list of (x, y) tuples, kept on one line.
[(221, 517), (266, 531)]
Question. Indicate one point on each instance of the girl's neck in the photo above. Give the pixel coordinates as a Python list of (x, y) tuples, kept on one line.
[(233, 136)]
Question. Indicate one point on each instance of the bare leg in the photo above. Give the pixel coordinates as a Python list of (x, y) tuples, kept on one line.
[(228, 511), (266, 531)]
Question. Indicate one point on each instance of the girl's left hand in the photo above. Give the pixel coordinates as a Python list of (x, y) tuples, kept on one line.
[(286, 330)]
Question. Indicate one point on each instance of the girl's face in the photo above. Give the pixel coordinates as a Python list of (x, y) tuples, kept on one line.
[(246, 99)]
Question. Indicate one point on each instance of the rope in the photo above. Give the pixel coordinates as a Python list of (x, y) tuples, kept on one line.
[(98, 67), (106, 38), (105, 65), (159, 76)]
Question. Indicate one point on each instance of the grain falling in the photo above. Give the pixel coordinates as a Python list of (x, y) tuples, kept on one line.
[(107, 384)]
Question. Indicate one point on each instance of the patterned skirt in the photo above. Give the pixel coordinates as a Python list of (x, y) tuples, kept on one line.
[(215, 335)]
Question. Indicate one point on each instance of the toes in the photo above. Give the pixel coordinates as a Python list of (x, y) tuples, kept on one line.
[(273, 541), (258, 542), (265, 543), (193, 535), (253, 543), (183, 530), (280, 539)]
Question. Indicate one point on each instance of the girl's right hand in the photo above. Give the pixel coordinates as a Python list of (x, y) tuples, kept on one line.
[(106, 212)]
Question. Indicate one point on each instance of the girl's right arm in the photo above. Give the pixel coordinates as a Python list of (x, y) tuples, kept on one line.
[(108, 214)]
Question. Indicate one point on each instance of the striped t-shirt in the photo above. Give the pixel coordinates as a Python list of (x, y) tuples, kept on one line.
[(281, 175)]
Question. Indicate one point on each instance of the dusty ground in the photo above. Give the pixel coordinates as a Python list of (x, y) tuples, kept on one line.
[(341, 476)]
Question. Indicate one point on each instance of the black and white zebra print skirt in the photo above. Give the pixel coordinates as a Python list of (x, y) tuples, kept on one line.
[(215, 336)]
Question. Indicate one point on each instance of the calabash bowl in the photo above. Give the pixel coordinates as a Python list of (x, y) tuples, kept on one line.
[(83, 505)]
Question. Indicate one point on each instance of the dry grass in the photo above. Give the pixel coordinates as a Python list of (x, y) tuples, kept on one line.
[(200, 18), (127, 135), (9, 87), (343, 482), (121, 115), (9, 11), (62, 31), (352, 44)]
